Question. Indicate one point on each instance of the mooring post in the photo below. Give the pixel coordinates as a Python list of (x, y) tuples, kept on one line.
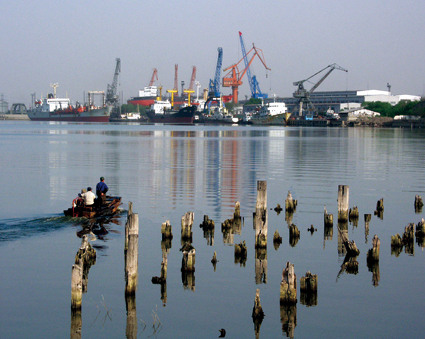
[(131, 252), (343, 200), (261, 215)]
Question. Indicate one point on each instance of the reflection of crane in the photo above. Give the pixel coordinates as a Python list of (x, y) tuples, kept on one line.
[(303, 95), (111, 92), (234, 77), (193, 77), (154, 76), (214, 87)]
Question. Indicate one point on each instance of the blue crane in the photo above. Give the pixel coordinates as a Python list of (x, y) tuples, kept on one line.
[(252, 80), (214, 87)]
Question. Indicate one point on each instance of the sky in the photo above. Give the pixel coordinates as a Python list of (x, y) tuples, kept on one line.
[(75, 44)]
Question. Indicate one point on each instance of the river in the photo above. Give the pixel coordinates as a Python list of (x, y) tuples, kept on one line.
[(168, 170)]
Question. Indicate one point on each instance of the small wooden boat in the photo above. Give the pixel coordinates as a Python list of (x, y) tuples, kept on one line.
[(78, 209)]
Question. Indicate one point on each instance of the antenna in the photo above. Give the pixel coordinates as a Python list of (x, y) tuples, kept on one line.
[(54, 86)]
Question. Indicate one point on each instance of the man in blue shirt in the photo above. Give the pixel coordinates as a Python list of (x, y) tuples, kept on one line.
[(101, 189)]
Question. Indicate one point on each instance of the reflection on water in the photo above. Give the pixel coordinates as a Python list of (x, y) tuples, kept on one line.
[(167, 171)]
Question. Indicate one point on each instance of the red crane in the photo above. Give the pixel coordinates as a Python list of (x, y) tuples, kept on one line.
[(192, 79), (154, 76), (234, 77)]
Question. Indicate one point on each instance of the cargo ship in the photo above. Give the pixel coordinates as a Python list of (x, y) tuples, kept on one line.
[(161, 112), (147, 96), (60, 109)]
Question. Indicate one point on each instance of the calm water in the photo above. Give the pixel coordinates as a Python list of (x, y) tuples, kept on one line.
[(169, 170)]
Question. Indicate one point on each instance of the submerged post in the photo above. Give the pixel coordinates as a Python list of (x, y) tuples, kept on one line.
[(131, 252), (343, 200)]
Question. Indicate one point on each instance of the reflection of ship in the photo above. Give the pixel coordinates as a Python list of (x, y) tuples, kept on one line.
[(60, 109), (161, 112)]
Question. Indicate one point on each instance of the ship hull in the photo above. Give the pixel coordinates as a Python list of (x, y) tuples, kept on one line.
[(95, 115), (278, 119), (185, 115)]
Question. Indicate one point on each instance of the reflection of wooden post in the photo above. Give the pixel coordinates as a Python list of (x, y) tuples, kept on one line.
[(380, 208), (131, 326), (76, 324), (367, 218), (343, 200), (288, 318), (261, 265), (131, 254), (261, 215), (288, 285)]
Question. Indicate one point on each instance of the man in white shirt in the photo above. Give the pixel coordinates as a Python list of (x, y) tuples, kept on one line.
[(88, 197)]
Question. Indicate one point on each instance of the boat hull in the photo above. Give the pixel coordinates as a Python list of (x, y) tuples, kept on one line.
[(185, 115), (95, 115), (108, 209), (278, 119)]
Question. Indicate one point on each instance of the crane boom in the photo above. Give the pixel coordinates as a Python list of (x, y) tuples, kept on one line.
[(214, 87), (111, 92), (193, 77), (154, 76)]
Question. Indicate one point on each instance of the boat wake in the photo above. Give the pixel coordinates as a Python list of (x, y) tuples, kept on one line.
[(18, 228)]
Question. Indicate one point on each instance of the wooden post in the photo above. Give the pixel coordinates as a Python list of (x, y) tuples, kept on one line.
[(367, 218), (85, 257), (186, 224), (290, 203), (288, 285), (76, 323), (380, 208), (418, 204), (261, 215), (350, 246), (294, 235), (277, 239), (261, 265), (131, 253), (308, 289), (328, 219), (373, 253), (257, 313), (208, 228), (240, 253), (131, 325), (343, 200)]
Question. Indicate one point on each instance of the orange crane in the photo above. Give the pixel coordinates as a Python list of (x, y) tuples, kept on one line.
[(234, 77), (154, 76)]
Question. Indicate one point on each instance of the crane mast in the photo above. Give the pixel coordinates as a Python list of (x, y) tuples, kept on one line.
[(214, 87), (193, 77), (154, 76), (111, 92)]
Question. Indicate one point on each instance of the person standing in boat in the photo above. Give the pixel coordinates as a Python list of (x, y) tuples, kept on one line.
[(88, 197), (101, 189)]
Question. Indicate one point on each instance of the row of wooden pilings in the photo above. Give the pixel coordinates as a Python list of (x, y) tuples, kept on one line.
[(86, 257)]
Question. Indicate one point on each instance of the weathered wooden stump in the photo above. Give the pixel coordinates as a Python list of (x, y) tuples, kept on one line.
[(353, 216), (260, 266), (186, 224), (294, 235), (379, 212), (418, 204), (277, 239), (131, 252), (208, 227), (350, 246), (188, 261), (257, 310), (311, 229), (290, 203), (408, 238), (328, 219), (308, 289), (237, 213), (367, 218), (214, 260), (84, 259), (373, 253), (288, 285), (343, 200), (420, 228), (166, 230), (261, 215), (76, 323)]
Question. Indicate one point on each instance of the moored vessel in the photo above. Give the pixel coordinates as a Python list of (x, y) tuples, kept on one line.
[(185, 115)]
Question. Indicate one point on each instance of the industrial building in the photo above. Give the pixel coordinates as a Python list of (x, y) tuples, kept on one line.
[(345, 100)]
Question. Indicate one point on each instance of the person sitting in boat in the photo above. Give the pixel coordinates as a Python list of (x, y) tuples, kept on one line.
[(101, 189), (88, 197)]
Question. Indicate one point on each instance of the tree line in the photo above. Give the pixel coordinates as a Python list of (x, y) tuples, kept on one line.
[(402, 108)]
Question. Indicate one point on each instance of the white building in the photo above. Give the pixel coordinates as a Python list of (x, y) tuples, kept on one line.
[(386, 96)]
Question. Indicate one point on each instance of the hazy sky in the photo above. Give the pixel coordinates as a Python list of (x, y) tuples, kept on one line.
[(75, 43)]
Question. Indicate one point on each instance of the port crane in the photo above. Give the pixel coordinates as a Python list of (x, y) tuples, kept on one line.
[(192, 78), (154, 76), (234, 77), (214, 87), (111, 92), (303, 95)]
